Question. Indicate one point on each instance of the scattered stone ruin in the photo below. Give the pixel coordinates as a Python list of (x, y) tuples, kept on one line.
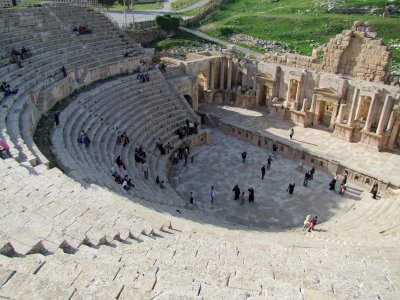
[(355, 53), (344, 92)]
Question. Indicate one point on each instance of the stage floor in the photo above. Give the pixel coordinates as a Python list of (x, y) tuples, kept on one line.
[(383, 165)]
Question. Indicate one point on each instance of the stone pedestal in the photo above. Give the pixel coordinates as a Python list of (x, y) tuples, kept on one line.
[(371, 140), (343, 132), (302, 118)]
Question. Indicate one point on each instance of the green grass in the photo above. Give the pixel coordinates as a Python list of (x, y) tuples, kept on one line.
[(300, 24), (180, 4)]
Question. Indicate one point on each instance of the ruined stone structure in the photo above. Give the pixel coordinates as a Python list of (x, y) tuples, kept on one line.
[(344, 93)]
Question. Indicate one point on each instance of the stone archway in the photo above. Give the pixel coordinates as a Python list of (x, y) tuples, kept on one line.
[(202, 83)]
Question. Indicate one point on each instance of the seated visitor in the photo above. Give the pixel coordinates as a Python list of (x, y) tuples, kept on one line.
[(26, 53), (169, 147), (81, 138), (124, 139), (16, 58), (5, 150), (120, 163), (87, 141), (7, 89), (64, 71), (162, 184), (162, 149)]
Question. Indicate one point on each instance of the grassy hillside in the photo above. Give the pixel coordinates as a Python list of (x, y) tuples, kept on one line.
[(302, 24)]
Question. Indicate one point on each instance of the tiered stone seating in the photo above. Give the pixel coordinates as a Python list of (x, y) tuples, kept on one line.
[(189, 260), (146, 111), (53, 44), (66, 238)]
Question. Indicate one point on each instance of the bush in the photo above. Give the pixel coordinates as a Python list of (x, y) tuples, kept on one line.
[(168, 23)]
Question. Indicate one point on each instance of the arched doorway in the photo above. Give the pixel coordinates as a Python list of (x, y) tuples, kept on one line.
[(202, 83)]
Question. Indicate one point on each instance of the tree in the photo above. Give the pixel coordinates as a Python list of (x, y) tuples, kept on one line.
[(168, 23), (127, 3), (106, 3)]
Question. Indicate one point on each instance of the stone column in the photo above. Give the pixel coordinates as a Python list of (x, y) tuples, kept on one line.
[(212, 77), (370, 116), (305, 104), (313, 103), (387, 106), (333, 117), (358, 108), (230, 70), (288, 91), (221, 84), (391, 122), (350, 121), (258, 95), (298, 92), (340, 116)]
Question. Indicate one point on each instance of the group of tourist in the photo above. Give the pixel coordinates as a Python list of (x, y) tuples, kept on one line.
[(125, 181), (189, 128), (160, 183), (309, 223), (140, 155), (238, 195), (84, 139), (80, 30), (18, 56), (143, 77), (7, 89), (342, 187), (183, 152)]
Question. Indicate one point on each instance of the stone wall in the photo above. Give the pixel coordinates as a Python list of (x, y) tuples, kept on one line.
[(293, 60), (354, 53), (145, 37), (326, 164)]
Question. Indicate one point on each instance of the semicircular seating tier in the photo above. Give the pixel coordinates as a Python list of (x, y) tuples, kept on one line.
[(73, 238), (48, 33), (145, 111)]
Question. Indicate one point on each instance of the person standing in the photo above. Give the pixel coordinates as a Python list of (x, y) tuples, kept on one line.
[(332, 184), (191, 198), (374, 190), (236, 189), (291, 133), (290, 188), (307, 222), (64, 71), (242, 199), (344, 180), (312, 171), (262, 172), (244, 155), (57, 118), (145, 169), (269, 162), (251, 194), (306, 179), (213, 194)]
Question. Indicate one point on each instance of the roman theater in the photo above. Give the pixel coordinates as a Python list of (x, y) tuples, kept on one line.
[(72, 228)]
